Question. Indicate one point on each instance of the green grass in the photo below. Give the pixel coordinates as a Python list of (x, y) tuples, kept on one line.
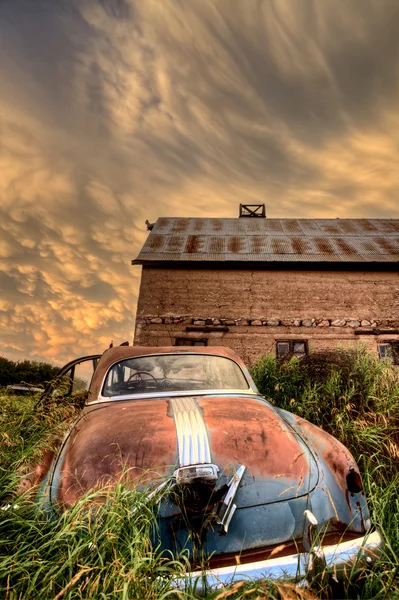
[(355, 397), (101, 550)]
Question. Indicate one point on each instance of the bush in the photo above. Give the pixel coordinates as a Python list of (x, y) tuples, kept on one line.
[(26, 371)]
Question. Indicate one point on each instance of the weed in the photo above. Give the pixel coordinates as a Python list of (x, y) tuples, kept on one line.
[(104, 551)]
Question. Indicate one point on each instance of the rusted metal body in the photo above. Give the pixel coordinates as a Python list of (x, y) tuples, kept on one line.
[(249, 471), (178, 240), (109, 439)]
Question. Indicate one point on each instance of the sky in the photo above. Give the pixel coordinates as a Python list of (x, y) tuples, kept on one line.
[(117, 111)]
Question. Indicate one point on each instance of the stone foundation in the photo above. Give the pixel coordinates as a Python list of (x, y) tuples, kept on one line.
[(201, 321)]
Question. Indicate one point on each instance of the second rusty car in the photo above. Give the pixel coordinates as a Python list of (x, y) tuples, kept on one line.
[(267, 493)]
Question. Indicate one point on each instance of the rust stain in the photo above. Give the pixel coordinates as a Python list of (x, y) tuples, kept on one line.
[(217, 224), (335, 455), (34, 474), (323, 245), (235, 244), (301, 245), (181, 225), (138, 436), (194, 244), (216, 245), (247, 430), (155, 242), (245, 238), (365, 225), (198, 225), (175, 243), (272, 226), (344, 246), (330, 228), (386, 244), (367, 246), (280, 246), (258, 244)]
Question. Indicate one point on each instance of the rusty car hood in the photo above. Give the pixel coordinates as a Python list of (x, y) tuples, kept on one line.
[(149, 438), (244, 430)]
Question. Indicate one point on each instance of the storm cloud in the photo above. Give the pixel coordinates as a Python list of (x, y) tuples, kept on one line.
[(114, 112)]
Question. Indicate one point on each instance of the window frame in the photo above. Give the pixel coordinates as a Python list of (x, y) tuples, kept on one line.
[(69, 371), (389, 344), (251, 389), (291, 344)]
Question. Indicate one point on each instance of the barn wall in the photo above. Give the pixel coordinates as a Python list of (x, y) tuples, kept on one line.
[(258, 307)]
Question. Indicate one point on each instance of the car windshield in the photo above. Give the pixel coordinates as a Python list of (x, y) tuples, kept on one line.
[(173, 372)]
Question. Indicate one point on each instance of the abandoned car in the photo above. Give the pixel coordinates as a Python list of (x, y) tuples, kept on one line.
[(268, 493)]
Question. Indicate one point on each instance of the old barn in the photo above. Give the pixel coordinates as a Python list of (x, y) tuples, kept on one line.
[(270, 285)]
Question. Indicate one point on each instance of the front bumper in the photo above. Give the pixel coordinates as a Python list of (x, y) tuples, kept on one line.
[(338, 559)]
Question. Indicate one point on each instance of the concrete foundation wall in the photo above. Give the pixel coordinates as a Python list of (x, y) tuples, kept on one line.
[(259, 307)]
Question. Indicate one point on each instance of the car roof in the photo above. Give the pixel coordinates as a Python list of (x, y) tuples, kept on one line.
[(118, 353)]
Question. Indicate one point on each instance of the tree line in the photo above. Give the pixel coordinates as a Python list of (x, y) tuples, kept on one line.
[(25, 371)]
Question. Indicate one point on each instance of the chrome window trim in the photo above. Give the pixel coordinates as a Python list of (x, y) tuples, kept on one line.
[(250, 393)]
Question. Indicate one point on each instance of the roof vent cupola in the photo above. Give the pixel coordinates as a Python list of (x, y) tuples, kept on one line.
[(253, 210)]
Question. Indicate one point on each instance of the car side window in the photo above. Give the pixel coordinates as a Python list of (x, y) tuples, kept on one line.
[(73, 378), (82, 376)]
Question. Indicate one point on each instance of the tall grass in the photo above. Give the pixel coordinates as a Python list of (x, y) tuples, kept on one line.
[(354, 397), (92, 552)]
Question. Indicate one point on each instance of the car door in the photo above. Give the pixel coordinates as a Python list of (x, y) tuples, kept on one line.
[(72, 378)]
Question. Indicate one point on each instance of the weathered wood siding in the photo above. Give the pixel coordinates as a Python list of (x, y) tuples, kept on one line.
[(262, 306)]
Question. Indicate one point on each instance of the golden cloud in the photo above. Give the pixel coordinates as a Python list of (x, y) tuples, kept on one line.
[(116, 114)]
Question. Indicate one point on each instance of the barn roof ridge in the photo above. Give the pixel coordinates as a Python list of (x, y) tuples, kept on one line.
[(270, 240)]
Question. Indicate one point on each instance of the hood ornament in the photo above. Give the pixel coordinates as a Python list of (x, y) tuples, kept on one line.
[(206, 473), (197, 477), (196, 473)]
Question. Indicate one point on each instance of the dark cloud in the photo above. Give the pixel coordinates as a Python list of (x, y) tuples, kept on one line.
[(118, 111)]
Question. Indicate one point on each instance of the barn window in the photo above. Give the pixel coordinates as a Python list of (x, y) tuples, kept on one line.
[(389, 350), (286, 348), (190, 342)]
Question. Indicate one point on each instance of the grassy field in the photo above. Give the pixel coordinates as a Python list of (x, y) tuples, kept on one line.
[(351, 395)]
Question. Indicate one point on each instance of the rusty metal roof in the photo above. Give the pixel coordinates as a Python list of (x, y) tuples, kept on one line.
[(191, 240)]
